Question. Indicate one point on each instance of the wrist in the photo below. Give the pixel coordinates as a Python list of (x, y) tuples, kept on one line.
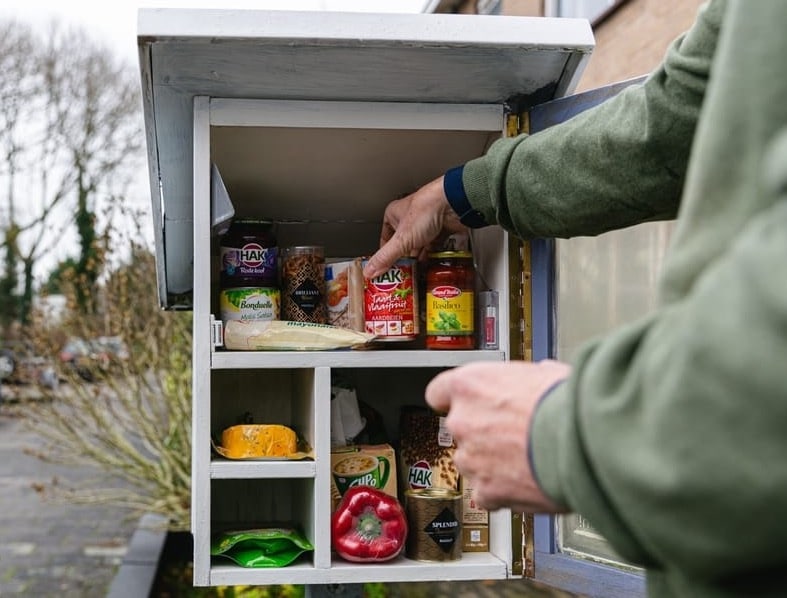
[(543, 442)]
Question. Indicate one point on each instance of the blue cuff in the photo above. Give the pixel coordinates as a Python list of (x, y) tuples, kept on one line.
[(457, 198)]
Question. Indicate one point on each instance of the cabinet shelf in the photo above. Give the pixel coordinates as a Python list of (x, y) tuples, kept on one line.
[(349, 359), (472, 566), (225, 469)]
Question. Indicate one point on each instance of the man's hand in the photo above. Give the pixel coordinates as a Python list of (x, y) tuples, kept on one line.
[(490, 407), (411, 224)]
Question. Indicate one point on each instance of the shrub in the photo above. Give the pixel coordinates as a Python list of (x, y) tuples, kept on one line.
[(130, 418)]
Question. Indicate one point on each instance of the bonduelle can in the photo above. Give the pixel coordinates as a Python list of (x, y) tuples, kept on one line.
[(250, 303), (391, 302)]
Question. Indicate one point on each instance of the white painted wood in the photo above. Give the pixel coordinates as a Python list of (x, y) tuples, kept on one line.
[(327, 28), (472, 566), (576, 66), (322, 480), (382, 358), (224, 469), (448, 59), (201, 351), (171, 173), (490, 255), (304, 402), (500, 536), (356, 115), (153, 176)]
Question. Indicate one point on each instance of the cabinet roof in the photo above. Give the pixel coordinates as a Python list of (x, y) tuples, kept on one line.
[(307, 55)]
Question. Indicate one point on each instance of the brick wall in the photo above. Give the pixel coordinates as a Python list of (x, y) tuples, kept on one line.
[(632, 41), (523, 8)]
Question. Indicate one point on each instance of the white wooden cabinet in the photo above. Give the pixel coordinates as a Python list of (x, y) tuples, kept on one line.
[(317, 121)]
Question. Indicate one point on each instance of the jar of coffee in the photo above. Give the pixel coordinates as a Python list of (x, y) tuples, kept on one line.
[(303, 284)]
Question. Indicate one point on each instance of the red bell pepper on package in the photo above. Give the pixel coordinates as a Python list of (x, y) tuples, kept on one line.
[(368, 526)]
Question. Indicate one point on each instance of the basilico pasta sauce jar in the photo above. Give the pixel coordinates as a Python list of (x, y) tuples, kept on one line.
[(450, 301)]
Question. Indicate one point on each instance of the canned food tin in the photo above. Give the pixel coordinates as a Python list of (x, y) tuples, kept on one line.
[(391, 302), (249, 303), (303, 291), (434, 518)]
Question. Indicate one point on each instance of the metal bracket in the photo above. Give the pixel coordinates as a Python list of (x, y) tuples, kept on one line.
[(216, 332)]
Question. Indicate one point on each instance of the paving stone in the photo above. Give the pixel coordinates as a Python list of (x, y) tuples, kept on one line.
[(48, 548)]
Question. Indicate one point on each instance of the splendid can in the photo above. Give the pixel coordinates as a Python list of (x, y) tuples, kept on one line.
[(434, 518), (249, 303), (391, 302)]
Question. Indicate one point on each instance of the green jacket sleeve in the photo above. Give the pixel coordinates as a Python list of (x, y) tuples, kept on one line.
[(668, 436), (621, 163)]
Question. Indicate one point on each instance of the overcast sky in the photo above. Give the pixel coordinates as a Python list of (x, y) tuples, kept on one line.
[(114, 22)]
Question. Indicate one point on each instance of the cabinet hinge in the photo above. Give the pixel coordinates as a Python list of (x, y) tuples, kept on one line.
[(216, 332), (526, 308), (512, 124), (516, 123), (524, 122)]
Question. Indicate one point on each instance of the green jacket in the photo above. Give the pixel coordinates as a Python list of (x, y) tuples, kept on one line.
[(671, 434)]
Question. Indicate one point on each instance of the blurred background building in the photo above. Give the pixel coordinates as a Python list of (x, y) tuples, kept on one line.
[(631, 35)]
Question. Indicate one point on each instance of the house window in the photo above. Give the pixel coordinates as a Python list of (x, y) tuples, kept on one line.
[(603, 282), (578, 537)]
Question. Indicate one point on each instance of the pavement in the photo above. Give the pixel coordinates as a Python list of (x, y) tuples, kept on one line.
[(50, 549)]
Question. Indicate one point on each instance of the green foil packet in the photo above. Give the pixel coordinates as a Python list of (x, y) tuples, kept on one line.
[(269, 547)]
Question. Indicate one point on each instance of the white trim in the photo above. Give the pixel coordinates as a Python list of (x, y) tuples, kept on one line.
[(356, 115), (314, 27), (202, 347), (350, 359)]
